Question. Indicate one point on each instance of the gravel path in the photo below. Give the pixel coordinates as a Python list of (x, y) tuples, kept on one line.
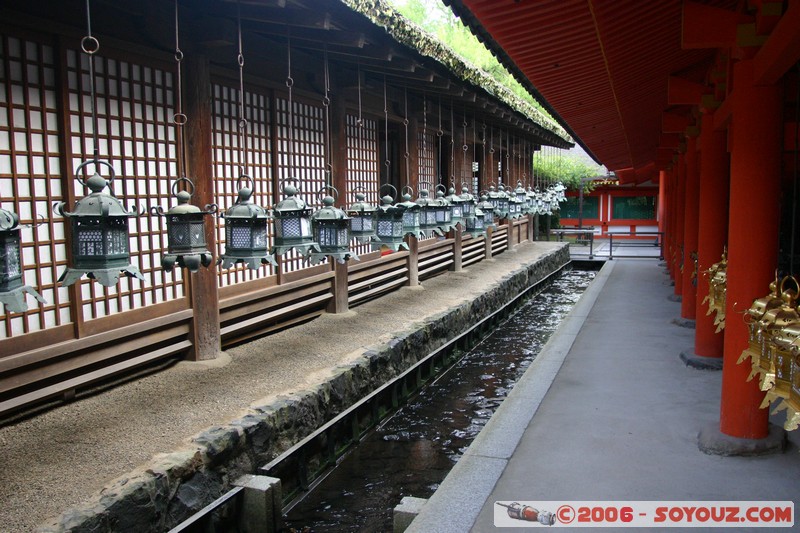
[(65, 455)]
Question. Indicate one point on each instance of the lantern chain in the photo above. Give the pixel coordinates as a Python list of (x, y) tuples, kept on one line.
[(242, 119), (452, 146), (326, 102), (464, 147), (440, 135), (406, 154), (290, 111), (386, 161), (90, 45), (179, 118)]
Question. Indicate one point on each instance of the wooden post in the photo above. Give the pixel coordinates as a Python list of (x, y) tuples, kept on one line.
[(487, 242), (338, 161), (202, 286), (339, 303), (412, 261), (457, 250)]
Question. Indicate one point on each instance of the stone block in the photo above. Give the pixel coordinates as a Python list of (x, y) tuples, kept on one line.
[(405, 512), (261, 506)]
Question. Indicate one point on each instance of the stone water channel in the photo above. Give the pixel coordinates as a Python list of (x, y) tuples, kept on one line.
[(411, 452)]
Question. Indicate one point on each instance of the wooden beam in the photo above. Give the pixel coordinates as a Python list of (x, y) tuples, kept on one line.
[(768, 16), (684, 92), (782, 49), (670, 140), (672, 123), (705, 26)]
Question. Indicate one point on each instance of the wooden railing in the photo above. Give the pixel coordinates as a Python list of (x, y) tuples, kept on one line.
[(248, 310)]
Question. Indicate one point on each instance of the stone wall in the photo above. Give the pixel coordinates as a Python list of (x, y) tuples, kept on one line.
[(175, 485)]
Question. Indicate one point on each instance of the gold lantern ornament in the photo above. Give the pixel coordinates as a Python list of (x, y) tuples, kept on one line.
[(780, 363), (770, 324), (717, 287), (792, 403), (752, 318)]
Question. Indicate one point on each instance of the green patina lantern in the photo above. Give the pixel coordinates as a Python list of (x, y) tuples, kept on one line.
[(292, 218), (456, 207), (331, 229), (444, 213), (488, 211), (99, 233), (246, 239), (12, 290), (429, 207), (411, 214), (499, 201), (186, 235), (390, 226), (476, 224), (530, 201), (468, 205), (363, 220)]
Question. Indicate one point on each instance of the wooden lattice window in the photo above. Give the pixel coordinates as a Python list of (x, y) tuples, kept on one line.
[(228, 167), (136, 136), (303, 160), (30, 177), (362, 166), (427, 160)]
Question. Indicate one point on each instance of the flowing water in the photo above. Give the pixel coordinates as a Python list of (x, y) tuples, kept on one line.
[(410, 453)]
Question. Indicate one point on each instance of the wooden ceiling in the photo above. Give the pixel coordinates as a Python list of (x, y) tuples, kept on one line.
[(352, 41), (604, 67)]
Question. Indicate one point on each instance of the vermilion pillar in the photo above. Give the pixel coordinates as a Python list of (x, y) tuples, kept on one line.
[(752, 238), (662, 200), (712, 228), (679, 222), (691, 201)]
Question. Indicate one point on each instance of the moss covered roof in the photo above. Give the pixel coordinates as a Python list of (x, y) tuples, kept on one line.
[(406, 32)]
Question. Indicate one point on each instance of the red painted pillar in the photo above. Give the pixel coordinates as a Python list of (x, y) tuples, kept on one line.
[(712, 228), (662, 206), (752, 238), (670, 225), (691, 205), (680, 212)]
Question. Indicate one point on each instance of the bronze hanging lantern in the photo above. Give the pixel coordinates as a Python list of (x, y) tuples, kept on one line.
[(456, 207), (12, 290), (186, 236), (363, 219), (292, 219), (99, 231), (499, 201), (488, 211), (331, 228), (411, 214), (444, 214), (246, 238), (429, 207), (476, 224), (389, 230), (468, 203)]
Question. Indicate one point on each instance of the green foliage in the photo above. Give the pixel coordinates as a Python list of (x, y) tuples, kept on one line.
[(565, 168), (438, 20)]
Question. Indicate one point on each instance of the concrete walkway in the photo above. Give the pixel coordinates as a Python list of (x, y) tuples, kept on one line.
[(607, 412)]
